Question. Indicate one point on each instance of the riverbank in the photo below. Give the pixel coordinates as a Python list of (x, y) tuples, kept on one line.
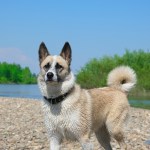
[(22, 127)]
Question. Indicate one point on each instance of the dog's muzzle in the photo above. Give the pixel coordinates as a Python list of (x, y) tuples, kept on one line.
[(50, 76)]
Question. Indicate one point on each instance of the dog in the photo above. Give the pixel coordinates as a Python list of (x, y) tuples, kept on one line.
[(74, 113)]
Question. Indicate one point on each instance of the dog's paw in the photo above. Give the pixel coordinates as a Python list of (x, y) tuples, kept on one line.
[(88, 146)]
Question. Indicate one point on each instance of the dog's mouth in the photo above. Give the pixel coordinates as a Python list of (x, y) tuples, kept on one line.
[(51, 81)]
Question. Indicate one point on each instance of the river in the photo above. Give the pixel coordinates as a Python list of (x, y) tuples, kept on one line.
[(22, 91), (32, 91)]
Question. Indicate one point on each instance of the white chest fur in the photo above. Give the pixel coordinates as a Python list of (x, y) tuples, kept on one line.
[(63, 120)]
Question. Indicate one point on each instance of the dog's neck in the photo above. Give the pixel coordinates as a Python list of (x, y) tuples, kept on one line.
[(56, 90)]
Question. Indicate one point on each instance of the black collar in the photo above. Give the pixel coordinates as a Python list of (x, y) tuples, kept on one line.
[(57, 99)]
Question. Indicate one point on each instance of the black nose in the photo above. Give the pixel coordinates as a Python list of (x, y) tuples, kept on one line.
[(50, 75)]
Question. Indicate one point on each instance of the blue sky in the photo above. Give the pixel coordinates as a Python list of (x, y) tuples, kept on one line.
[(93, 29)]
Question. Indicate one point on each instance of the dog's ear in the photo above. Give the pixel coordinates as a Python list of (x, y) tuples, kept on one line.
[(66, 53), (43, 52)]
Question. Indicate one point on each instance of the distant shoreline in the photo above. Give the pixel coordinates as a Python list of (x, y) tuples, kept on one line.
[(142, 104), (20, 98), (18, 83)]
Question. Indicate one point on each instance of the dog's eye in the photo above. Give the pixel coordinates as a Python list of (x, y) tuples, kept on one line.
[(58, 66), (47, 66)]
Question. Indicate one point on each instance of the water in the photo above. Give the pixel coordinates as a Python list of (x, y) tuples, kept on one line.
[(144, 102), (32, 91), (22, 91)]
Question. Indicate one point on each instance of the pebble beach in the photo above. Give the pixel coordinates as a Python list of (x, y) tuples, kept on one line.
[(22, 128)]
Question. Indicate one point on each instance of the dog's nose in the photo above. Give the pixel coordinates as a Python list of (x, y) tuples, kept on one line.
[(50, 75)]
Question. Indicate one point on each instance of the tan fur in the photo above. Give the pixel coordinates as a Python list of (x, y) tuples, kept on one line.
[(59, 59), (103, 111), (82, 112), (122, 78), (105, 114)]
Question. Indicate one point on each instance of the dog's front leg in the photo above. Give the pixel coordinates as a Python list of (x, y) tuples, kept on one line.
[(55, 142), (86, 143), (87, 146)]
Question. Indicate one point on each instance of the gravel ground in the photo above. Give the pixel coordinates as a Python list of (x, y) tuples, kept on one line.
[(22, 128)]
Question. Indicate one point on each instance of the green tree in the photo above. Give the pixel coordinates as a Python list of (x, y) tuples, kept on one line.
[(13, 73)]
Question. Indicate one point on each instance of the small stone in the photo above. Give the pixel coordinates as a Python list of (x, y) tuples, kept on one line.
[(22, 128)]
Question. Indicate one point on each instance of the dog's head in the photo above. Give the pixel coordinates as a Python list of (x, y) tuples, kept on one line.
[(55, 69)]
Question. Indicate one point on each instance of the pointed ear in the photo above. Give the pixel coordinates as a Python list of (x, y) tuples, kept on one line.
[(43, 52), (66, 53)]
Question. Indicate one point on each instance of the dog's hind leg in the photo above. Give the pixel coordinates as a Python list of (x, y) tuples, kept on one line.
[(115, 123), (103, 137)]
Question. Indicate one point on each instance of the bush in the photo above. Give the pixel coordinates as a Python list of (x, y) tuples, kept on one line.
[(94, 73)]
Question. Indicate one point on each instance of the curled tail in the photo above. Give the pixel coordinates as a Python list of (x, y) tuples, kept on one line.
[(122, 78)]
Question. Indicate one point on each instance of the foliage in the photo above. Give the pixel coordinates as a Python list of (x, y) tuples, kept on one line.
[(94, 73), (13, 73)]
